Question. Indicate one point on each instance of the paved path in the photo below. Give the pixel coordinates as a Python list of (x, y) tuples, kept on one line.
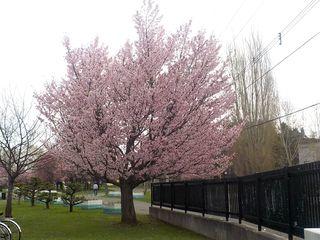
[(140, 207)]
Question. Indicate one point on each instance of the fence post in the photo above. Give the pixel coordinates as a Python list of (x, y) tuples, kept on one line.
[(185, 197), (290, 207), (258, 203), (161, 195), (203, 198), (171, 195), (226, 199), (151, 194), (240, 199)]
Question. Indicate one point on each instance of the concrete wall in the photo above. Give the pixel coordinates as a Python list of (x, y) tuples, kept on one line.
[(309, 152), (312, 233), (212, 227)]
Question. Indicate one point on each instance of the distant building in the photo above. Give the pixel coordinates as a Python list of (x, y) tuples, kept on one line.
[(309, 150)]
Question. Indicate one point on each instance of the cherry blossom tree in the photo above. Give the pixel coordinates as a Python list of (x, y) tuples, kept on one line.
[(160, 107), (47, 169)]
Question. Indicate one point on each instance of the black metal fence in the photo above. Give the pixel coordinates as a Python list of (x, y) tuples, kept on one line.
[(287, 200)]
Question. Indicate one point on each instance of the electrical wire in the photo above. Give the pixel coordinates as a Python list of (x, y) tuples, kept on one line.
[(233, 16), (288, 27), (282, 60), (271, 44), (285, 115), (283, 32), (249, 20)]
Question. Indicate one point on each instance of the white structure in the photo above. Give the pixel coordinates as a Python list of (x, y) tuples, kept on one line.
[(92, 202), (309, 152), (312, 233)]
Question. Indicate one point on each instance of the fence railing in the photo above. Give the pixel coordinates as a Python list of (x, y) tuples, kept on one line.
[(287, 200)]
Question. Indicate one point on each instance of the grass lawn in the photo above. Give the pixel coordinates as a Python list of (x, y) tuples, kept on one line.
[(57, 223), (146, 198)]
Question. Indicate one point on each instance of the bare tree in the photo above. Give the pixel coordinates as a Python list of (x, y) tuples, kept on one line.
[(256, 102), (315, 122), (311, 147), (290, 135), (20, 143)]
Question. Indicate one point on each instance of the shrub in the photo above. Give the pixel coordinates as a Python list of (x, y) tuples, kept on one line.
[(69, 197)]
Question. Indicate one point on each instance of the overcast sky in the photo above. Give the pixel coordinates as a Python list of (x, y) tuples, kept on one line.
[(31, 51)]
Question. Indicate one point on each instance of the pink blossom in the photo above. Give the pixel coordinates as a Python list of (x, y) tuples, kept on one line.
[(160, 107)]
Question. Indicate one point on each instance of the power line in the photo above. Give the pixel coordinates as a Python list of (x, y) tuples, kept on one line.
[(249, 20), (285, 115), (288, 27), (233, 16), (282, 60), (283, 32), (299, 17)]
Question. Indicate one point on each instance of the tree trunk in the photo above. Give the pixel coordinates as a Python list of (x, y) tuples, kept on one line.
[(49, 200), (128, 214), (8, 213), (32, 201), (70, 207)]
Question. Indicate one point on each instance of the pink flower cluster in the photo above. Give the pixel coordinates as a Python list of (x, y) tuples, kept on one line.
[(160, 107)]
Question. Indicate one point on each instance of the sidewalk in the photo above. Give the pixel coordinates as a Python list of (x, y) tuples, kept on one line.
[(140, 207)]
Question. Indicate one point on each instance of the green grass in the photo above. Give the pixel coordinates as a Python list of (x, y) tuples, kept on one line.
[(57, 223), (146, 198)]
